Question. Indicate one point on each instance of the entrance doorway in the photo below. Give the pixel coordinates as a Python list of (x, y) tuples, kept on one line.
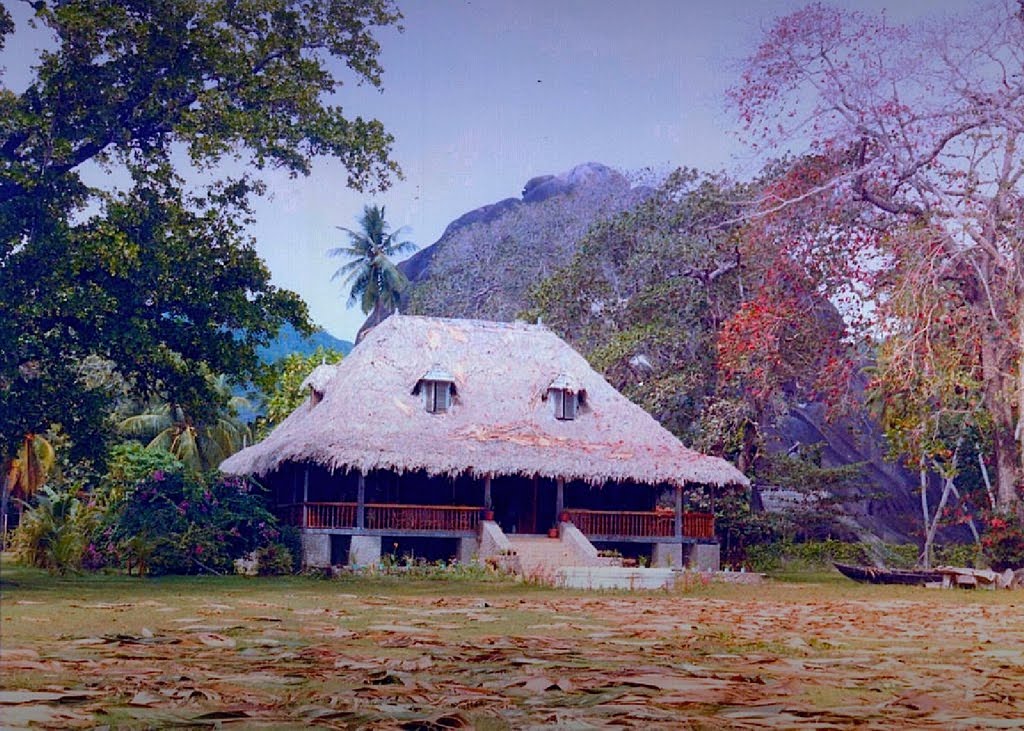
[(524, 504)]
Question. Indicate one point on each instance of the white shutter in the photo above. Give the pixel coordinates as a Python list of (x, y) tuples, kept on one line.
[(428, 395)]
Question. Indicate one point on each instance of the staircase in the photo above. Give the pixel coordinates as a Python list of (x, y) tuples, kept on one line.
[(535, 557), (541, 557)]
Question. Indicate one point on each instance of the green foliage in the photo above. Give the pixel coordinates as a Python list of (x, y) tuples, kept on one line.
[(772, 556), (156, 279), (410, 567), (290, 537), (54, 532), (373, 278), (815, 492), (279, 382), (273, 559), (130, 463), (962, 554)]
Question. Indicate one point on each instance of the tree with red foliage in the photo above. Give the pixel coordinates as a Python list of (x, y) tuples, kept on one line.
[(914, 181)]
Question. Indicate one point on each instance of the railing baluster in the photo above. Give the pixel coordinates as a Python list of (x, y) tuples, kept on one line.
[(641, 524)]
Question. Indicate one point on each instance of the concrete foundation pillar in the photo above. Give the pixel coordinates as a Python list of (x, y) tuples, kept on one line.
[(469, 550), (667, 556), (704, 557), (364, 551), (316, 550)]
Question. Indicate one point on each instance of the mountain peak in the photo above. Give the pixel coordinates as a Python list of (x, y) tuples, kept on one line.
[(589, 173)]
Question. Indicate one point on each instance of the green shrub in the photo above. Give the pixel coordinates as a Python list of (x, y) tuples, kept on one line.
[(772, 556), (960, 554), (274, 560), (290, 537), (54, 533)]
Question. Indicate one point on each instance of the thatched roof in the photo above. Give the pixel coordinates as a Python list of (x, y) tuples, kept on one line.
[(318, 378), (500, 421)]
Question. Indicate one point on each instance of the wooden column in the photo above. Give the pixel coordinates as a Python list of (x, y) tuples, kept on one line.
[(361, 502), (305, 497), (487, 492), (679, 512), (559, 498)]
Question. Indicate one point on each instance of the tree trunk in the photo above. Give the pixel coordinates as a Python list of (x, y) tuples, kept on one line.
[(932, 527), (5, 498), (999, 398), (925, 514), (1019, 433)]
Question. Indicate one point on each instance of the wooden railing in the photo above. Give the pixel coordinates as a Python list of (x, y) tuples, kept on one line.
[(329, 515), (641, 524), (699, 525), (380, 516), (422, 517)]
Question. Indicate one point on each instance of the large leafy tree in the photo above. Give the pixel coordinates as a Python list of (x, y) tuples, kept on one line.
[(156, 276), (374, 278), (918, 180)]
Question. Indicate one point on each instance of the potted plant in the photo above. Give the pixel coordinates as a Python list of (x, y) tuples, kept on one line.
[(564, 516), (553, 532), (487, 514)]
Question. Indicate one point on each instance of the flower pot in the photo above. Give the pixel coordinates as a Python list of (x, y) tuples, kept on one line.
[(564, 516), (552, 532), (487, 514)]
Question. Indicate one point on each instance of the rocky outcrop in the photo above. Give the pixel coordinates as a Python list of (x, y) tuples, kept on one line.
[(487, 258), (882, 502)]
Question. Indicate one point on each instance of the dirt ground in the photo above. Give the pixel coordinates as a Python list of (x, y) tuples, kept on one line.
[(387, 653)]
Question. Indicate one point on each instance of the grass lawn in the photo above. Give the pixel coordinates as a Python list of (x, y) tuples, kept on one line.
[(394, 653)]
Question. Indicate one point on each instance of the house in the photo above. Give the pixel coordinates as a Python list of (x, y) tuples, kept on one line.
[(460, 437)]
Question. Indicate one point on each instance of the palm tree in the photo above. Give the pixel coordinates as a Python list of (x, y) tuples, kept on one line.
[(200, 446), (25, 473), (374, 278)]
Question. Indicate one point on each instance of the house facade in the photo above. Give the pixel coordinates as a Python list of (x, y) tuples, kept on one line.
[(458, 438)]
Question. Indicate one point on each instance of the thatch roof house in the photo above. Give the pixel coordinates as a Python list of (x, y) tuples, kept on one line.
[(436, 410)]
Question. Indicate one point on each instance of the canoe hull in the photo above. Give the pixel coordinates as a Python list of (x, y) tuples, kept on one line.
[(874, 575)]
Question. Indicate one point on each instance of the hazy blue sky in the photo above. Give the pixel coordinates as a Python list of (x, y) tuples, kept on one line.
[(483, 95)]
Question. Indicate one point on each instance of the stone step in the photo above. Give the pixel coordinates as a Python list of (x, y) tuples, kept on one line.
[(541, 555)]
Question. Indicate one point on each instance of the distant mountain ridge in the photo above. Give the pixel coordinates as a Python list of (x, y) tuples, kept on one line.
[(289, 340), (487, 258)]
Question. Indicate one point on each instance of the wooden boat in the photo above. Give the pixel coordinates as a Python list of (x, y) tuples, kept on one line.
[(875, 575)]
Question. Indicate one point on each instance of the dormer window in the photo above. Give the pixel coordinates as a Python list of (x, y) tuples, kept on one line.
[(438, 387), (317, 381), (565, 397), (565, 404)]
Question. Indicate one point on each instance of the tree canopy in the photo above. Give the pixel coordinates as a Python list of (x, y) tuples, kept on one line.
[(914, 182), (155, 274)]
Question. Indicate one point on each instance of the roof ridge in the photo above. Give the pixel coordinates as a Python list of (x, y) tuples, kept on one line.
[(477, 323)]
